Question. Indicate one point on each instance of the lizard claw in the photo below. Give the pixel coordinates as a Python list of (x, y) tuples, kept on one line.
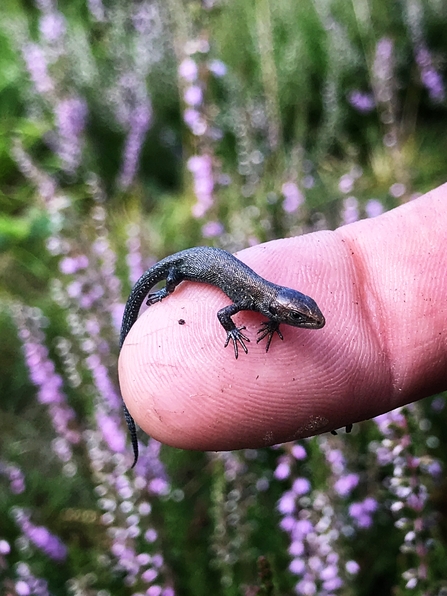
[(269, 328), (155, 297), (236, 336), (348, 429)]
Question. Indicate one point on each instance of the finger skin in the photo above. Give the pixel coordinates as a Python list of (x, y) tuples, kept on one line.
[(382, 287)]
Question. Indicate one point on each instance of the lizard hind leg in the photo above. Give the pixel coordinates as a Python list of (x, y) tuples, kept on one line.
[(172, 281), (156, 296)]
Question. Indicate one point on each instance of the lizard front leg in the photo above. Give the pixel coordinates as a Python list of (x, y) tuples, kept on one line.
[(233, 333), (268, 329)]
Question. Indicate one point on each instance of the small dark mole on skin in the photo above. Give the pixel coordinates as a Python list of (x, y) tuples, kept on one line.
[(181, 322)]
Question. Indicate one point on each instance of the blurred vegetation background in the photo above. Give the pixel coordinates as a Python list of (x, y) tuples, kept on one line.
[(130, 131)]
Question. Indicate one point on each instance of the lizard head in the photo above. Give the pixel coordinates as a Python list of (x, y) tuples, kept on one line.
[(296, 309)]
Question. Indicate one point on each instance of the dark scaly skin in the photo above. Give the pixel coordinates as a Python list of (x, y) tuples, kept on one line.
[(246, 289)]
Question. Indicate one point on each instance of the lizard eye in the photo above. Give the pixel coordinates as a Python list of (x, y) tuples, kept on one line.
[(296, 316)]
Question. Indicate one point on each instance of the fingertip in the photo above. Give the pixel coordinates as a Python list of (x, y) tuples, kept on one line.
[(184, 389)]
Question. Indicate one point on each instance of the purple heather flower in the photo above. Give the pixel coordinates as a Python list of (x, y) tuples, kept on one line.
[(296, 548), (201, 168), (357, 513), (315, 564), (434, 468), (350, 210), (158, 486), (15, 477), (44, 5), (212, 229), (144, 559), (5, 549), (373, 208), (197, 164), (416, 502), (139, 125), (46, 542), (199, 127), (203, 184), (362, 102), (433, 82), (297, 566), (308, 181), (346, 484), (286, 504), (71, 116), (389, 419), (37, 67), (293, 197), (188, 70), (22, 588), (191, 117), (157, 561), (74, 289), (262, 484), (102, 381), (42, 374), (287, 523), (200, 45), (333, 584), (193, 95), (42, 538), (370, 505), (215, 133), (438, 404), (430, 78), (133, 258), (135, 264), (97, 10), (195, 121), (150, 535), (224, 179), (336, 459), (361, 512), (301, 486), (112, 432), (282, 471), (382, 63), (346, 183), (303, 527), (144, 17), (306, 587), (329, 572), (52, 26), (62, 449), (352, 567), (70, 265), (217, 67), (397, 190), (149, 575), (298, 452)]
